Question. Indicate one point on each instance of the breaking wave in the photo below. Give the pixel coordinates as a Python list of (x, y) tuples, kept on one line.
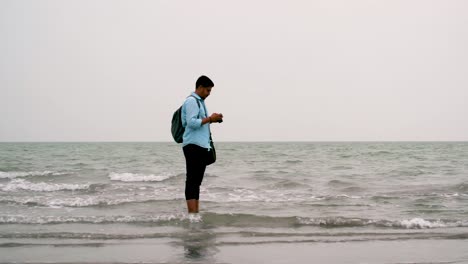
[(21, 184), (17, 174), (85, 201), (237, 220), (414, 223), (137, 177)]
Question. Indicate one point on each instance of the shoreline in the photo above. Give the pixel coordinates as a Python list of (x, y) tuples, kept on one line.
[(205, 249)]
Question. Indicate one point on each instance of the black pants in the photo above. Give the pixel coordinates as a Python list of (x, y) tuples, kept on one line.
[(195, 162)]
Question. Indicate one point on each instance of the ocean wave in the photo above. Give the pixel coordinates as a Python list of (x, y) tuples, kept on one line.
[(20, 219), (462, 187), (88, 201), (21, 184), (165, 195), (248, 195), (293, 161), (339, 183), (349, 196), (234, 238), (378, 153), (421, 223), (237, 220), (17, 174), (286, 184), (137, 177), (267, 237), (342, 167), (272, 195), (105, 195), (87, 236), (414, 223), (453, 195)]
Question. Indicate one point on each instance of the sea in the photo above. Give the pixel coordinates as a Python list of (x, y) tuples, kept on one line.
[(97, 202)]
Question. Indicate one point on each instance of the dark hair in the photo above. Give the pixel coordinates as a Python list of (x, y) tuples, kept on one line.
[(204, 82)]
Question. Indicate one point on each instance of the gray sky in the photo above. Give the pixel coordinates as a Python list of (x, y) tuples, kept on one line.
[(283, 70)]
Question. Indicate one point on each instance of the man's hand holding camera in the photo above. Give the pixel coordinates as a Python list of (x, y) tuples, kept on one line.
[(216, 118)]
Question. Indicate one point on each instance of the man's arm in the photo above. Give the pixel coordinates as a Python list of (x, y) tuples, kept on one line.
[(191, 114)]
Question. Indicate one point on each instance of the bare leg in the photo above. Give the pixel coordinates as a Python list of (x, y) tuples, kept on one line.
[(192, 206)]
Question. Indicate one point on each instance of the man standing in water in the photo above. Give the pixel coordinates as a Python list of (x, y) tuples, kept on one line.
[(196, 139)]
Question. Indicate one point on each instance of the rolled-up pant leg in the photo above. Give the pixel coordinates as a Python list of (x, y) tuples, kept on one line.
[(195, 163)]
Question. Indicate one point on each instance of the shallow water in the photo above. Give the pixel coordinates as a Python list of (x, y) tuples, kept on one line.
[(98, 194)]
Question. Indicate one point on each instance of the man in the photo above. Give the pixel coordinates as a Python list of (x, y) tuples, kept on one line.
[(196, 139)]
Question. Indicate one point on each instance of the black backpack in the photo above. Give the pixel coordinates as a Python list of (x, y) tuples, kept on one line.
[(177, 129)]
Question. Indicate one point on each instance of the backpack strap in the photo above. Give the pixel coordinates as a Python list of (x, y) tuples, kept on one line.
[(206, 112), (198, 103)]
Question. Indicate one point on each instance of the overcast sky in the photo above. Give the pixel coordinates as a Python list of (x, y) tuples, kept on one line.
[(283, 70)]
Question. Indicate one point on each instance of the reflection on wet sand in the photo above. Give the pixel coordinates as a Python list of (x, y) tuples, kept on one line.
[(199, 244)]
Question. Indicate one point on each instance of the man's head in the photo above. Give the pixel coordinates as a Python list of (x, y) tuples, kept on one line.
[(203, 86)]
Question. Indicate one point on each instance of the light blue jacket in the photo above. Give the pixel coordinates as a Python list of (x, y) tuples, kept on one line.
[(192, 115)]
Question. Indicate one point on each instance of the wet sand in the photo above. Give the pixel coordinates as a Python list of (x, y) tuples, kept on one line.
[(197, 250)]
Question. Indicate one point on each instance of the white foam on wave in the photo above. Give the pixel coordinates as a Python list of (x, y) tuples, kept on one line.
[(239, 195), (21, 219), (194, 218), (178, 217), (334, 221), (137, 177), (20, 184), (453, 195), (262, 195), (75, 201), (109, 198), (349, 196), (66, 202), (16, 174), (420, 223), (94, 201), (415, 223)]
